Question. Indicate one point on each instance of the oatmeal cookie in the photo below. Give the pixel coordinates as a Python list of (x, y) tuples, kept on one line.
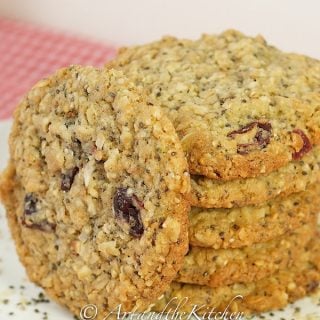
[(269, 293), (95, 191), (238, 227), (223, 267), (241, 107), (294, 177)]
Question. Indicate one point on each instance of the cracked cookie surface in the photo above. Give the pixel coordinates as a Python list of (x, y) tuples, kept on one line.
[(95, 191), (241, 107)]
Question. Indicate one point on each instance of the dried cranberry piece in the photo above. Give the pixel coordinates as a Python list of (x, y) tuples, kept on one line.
[(263, 135), (30, 204), (260, 140), (242, 130), (127, 207), (307, 146), (68, 178), (33, 217)]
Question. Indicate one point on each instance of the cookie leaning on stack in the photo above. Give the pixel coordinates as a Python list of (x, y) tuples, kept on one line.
[(248, 118), (95, 191)]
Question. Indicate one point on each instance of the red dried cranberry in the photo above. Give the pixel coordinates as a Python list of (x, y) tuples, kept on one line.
[(127, 207), (260, 140), (307, 146), (263, 135), (68, 178), (242, 130), (30, 218)]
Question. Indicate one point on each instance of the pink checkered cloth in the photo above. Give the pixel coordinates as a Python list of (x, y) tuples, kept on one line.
[(29, 53)]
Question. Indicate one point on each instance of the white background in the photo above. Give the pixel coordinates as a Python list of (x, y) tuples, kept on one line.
[(291, 25)]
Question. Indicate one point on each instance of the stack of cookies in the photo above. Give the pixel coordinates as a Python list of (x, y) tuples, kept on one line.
[(184, 173), (247, 115)]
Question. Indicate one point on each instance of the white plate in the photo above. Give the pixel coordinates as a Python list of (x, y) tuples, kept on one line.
[(19, 297)]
